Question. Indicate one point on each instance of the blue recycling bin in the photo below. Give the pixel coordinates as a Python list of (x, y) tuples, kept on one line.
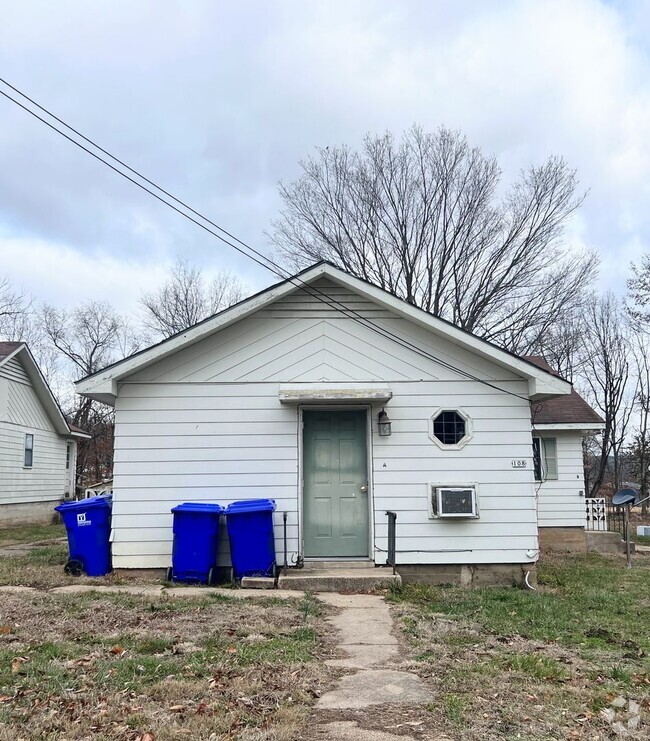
[(88, 524), (250, 531), (196, 542)]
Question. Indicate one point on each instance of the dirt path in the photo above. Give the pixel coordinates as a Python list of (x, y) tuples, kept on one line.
[(378, 682)]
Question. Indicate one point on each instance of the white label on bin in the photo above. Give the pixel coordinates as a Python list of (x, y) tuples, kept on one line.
[(81, 519)]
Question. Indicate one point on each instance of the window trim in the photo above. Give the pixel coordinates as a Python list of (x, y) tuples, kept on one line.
[(469, 431), (541, 459), (29, 436)]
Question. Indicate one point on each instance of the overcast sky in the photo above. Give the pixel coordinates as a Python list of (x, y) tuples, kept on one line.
[(219, 100)]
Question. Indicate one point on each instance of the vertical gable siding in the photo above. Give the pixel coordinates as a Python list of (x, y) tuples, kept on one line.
[(562, 501)]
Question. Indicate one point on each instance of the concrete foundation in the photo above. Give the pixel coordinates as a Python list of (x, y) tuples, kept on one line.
[(562, 539), (469, 575), (605, 542), (29, 513)]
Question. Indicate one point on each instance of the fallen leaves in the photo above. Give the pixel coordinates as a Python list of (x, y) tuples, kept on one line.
[(17, 663), (118, 650)]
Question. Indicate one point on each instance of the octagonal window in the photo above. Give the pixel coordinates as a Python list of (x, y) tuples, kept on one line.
[(449, 428)]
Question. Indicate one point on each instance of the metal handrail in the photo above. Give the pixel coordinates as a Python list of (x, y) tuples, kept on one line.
[(391, 559)]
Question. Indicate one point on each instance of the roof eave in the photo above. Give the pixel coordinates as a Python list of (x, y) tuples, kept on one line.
[(584, 427), (42, 389), (102, 385)]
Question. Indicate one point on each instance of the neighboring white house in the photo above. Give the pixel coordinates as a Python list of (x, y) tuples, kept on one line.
[(38, 447), (559, 426), (281, 395)]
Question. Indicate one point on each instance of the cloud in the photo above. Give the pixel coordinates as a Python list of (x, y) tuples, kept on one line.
[(219, 101)]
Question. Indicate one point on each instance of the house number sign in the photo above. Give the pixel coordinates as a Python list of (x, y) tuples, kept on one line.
[(519, 463)]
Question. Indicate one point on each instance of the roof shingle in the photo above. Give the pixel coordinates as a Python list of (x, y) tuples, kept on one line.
[(571, 409), (6, 348)]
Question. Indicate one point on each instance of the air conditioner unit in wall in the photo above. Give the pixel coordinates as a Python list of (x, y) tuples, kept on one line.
[(454, 501)]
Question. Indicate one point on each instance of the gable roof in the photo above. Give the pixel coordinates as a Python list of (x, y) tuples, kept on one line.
[(103, 384), (565, 410), (7, 349), (20, 351)]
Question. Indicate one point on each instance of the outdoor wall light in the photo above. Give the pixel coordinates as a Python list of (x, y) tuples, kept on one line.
[(383, 424)]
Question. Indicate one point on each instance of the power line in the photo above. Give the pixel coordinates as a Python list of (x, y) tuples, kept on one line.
[(245, 249)]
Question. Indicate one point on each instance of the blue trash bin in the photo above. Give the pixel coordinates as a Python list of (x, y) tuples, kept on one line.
[(88, 524), (250, 531), (196, 542)]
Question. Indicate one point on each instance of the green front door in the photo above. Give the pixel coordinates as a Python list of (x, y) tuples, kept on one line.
[(335, 491)]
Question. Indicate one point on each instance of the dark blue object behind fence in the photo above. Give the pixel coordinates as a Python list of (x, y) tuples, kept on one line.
[(196, 542), (88, 524), (250, 531)]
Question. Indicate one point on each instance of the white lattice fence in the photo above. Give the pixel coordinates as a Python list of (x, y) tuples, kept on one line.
[(596, 514)]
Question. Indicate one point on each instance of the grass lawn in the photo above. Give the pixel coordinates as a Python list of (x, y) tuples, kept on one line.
[(509, 663), (121, 667), (30, 534)]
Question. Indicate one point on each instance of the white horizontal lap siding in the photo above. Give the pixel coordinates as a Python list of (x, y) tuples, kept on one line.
[(407, 461), (164, 457), (205, 424), (13, 370), (46, 480), (561, 502)]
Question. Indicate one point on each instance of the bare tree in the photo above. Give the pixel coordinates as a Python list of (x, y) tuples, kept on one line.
[(608, 379), (185, 299), (422, 219), (88, 338), (640, 448), (13, 311), (563, 344), (638, 287)]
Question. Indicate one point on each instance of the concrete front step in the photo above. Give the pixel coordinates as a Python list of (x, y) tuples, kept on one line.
[(339, 579)]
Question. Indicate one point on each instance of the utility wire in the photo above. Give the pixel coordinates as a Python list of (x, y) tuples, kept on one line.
[(256, 256)]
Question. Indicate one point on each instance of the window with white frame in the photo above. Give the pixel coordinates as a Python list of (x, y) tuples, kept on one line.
[(29, 450), (450, 429), (545, 458)]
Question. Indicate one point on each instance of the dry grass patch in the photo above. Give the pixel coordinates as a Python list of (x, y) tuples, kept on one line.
[(507, 663), (118, 666)]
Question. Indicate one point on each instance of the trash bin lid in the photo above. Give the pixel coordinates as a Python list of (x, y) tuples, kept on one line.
[(85, 504), (251, 505), (206, 507)]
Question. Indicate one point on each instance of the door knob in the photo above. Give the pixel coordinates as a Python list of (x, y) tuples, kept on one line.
[(364, 489)]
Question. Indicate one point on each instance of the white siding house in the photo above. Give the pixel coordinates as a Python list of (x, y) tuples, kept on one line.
[(280, 397), (37, 445), (559, 426)]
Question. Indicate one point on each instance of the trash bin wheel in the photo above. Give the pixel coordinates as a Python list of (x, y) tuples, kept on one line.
[(212, 575), (233, 581), (168, 574), (74, 567)]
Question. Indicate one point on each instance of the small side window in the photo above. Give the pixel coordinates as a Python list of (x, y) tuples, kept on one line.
[(545, 458), (68, 451), (29, 450)]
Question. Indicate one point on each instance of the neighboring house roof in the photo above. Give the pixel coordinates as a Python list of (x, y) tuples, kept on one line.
[(103, 384), (21, 352), (564, 411), (7, 349)]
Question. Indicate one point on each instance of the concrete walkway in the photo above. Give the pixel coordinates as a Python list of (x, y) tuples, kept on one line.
[(365, 629)]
